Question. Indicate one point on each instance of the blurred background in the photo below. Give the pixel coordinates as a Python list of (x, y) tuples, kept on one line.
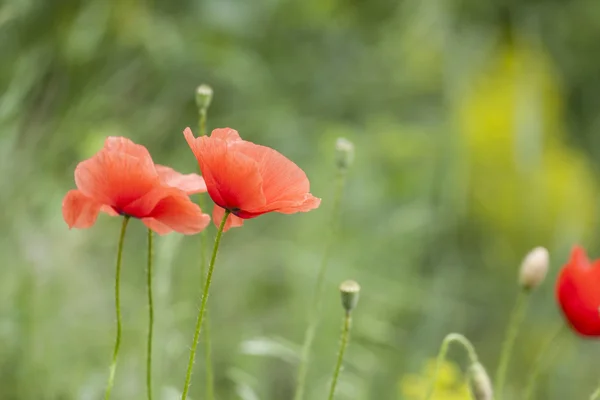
[(476, 133)]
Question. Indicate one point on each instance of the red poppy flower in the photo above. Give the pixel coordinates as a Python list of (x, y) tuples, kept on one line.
[(247, 179), (578, 293), (122, 179)]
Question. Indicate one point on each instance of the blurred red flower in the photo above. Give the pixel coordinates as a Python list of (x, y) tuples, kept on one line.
[(578, 293), (122, 179), (247, 179)]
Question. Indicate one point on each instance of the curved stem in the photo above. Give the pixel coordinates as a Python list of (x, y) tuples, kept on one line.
[(340, 359), (511, 335), (311, 329), (538, 362), (113, 365), (150, 317), (211, 267), (452, 337)]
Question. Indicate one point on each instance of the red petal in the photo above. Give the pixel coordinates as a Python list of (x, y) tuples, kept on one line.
[(232, 220), (179, 213), (578, 295), (285, 185), (226, 134), (579, 257), (232, 179), (189, 183), (118, 174), (79, 211), (157, 226)]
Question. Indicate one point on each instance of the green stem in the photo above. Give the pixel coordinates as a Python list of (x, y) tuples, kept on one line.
[(340, 359), (596, 394), (202, 121), (210, 391), (211, 267), (516, 318), (150, 316), (531, 384), (311, 329), (113, 365), (452, 337)]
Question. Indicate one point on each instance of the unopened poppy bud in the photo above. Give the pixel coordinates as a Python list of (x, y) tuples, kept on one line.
[(480, 383), (534, 268), (204, 94), (344, 153), (349, 291)]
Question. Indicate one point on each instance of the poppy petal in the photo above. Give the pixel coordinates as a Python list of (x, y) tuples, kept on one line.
[(285, 185), (189, 183), (79, 211), (579, 257), (180, 214), (109, 210), (226, 134), (232, 220), (233, 179), (310, 202), (157, 226), (118, 174), (123, 145)]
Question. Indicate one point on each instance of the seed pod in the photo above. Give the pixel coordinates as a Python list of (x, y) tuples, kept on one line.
[(349, 291)]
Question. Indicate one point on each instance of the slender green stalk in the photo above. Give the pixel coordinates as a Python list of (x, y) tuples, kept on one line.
[(516, 319), (210, 391), (150, 316), (113, 365), (535, 372), (452, 337), (202, 121), (340, 359), (311, 329), (211, 267)]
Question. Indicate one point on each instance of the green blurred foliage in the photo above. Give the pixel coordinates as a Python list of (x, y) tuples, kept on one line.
[(475, 126)]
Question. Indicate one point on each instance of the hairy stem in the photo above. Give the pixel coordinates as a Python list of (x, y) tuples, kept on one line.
[(211, 267), (113, 365)]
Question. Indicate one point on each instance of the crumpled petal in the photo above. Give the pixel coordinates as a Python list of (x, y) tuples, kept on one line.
[(179, 213), (189, 183), (232, 179), (232, 220), (157, 226), (79, 211), (118, 174)]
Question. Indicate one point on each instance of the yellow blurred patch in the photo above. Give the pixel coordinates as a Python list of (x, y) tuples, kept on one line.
[(450, 383), (524, 180)]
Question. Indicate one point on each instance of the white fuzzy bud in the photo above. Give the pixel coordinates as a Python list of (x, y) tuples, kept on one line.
[(534, 268)]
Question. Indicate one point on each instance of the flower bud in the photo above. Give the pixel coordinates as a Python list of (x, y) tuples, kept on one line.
[(534, 268), (349, 291), (344, 153), (480, 383), (204, 94)]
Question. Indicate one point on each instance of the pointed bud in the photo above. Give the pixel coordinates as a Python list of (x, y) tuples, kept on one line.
[(479, 380), (534, 268), (349, 291), (344, 153), (204, 94)]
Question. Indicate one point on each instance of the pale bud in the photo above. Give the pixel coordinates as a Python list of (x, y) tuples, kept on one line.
[(534, 268), (204, 94), (480, 383), (349, 291), (344, 153)]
